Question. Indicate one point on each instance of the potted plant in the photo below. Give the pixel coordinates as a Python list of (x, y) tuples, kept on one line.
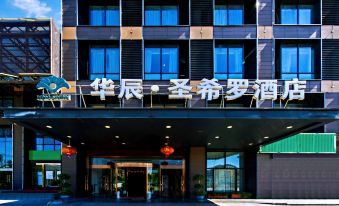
[(65, 187), (199, 189)]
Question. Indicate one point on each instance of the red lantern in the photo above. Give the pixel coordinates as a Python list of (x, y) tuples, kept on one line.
[(167, 150), (69, 151)]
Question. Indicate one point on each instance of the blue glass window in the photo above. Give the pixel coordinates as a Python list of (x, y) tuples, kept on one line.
[(305, 14), (228, 15), (297, 61), (6, 147), (104, 62), (161, 63), (43, 143), (228, 63), (161, 15), (104, 16), (296, 14)]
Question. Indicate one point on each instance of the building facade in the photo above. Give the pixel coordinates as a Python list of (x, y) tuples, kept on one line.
[(29, 49), (147, 50)]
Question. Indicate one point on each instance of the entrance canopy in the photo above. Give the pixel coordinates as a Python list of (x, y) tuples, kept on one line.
[(129, 128)]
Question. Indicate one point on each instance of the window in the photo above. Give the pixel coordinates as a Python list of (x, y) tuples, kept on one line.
[(6, 101), (161, 16), (297, 61), (104, 16), (224, 171), (228, 15), (229, 62), (297, 14), (161, 63), (104, 62), (47, 143), (6, 157), (6, 147)]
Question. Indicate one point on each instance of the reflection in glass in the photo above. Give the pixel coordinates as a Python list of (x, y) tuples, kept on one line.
[(215, 160)]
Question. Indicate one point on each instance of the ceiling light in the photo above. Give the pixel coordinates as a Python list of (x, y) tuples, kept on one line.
[(250, 144), (82, 143), (168, 127), (289, 127), (167, 137), (266, 137), (69, 136), (123, 143), (229, 127), (166, 143), (49, 127), (216, 137), (107, 126), (209, 143), (117, 137)]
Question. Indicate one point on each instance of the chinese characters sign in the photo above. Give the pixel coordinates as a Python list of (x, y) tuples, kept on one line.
[(208, 89)]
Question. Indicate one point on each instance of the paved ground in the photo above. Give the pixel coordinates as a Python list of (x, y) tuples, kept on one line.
[(43, 199)]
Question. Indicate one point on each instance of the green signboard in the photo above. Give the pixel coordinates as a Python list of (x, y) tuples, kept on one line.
[(303, 143), (35, 155)]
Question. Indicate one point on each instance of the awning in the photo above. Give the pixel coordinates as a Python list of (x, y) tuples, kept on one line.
[(118, 128)]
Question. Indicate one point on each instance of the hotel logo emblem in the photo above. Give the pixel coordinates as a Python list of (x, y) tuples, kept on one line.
[(53, 85)]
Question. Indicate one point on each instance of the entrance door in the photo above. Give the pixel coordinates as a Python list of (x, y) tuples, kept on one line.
[(136, 182), (171, 183)]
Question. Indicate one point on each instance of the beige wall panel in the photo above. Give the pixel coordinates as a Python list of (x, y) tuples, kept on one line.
[(69, 33), (198, 32), (265, 32), (330, 32), (131, 33), (330, 86)]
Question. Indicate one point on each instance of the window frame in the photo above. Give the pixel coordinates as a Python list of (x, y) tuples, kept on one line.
[(237, 186), (298, 73), (161, 60), (104, 75), (227, 73), (105, 8), (228, 14), (8, 127), (161, 15), (298, 7), (43, 144)]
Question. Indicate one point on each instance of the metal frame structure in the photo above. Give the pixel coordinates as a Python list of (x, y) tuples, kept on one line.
[(25, 46)]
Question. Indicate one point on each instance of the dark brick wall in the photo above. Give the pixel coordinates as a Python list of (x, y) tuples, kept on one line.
[(265, 13), (69, 12), (69, 60), (297, 176), (265, 59)]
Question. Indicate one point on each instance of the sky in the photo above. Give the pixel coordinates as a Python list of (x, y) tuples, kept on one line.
[(31, 9)]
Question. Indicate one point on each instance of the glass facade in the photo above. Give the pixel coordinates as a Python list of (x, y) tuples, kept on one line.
[(297, 61), (47, 144), (224, 172), (104, 16), (45, 175), (229, 62), (297, 14), (228, 15), (6, 157), (161, 16), (104, 62), (160, 178), (161, 63)]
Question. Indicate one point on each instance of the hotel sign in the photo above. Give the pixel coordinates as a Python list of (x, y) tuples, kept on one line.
[(52, 85), (208, 89)]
